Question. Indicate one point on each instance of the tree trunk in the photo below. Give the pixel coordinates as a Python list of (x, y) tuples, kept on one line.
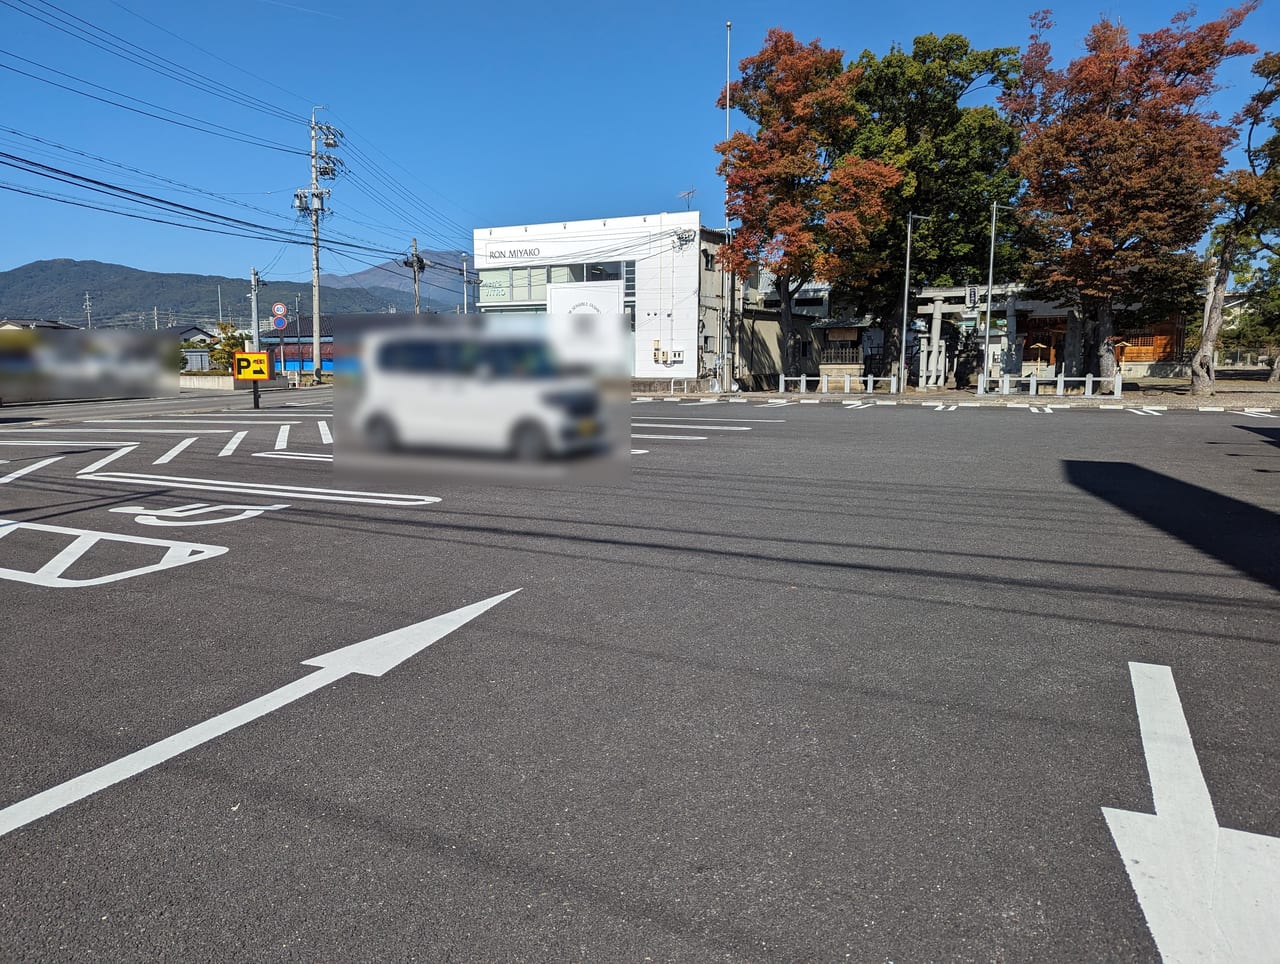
[(787, 353), (1202, 375), (1105, 349), (1073, 345)]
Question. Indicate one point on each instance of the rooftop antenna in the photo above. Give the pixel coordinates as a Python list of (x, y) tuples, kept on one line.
[(688, 197)]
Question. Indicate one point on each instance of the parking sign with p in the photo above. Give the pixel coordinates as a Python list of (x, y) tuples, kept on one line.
[(251, 366)]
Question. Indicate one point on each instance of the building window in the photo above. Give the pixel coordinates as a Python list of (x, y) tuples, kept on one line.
[(708, 259), (629, 280), (495, 284)]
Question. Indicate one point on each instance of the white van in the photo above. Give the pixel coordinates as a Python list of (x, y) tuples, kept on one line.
[(473, 391)]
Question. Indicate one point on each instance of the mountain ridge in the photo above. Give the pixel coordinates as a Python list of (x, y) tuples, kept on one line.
[(122, 296)]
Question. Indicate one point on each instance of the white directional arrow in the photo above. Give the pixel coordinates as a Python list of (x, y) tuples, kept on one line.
[(373, 657), (1208, 893)]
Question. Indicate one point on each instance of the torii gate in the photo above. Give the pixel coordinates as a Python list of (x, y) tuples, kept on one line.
[(933, 351)]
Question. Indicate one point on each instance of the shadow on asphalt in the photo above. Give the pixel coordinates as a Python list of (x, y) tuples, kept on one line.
[(1236, 533)]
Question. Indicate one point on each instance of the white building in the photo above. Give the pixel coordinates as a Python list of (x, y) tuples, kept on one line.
[(657, 270)]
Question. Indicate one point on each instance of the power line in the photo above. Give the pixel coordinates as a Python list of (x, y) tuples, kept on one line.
[(111, 43), (202, 126)]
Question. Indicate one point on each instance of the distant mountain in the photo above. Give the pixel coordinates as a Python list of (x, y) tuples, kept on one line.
[(55, 290)]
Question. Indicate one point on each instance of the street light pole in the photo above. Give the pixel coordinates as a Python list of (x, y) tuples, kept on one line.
[(906, 299), (991, 273)]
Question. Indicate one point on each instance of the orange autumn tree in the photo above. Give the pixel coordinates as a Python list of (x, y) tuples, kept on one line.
[(1120, 157), (798, 201)]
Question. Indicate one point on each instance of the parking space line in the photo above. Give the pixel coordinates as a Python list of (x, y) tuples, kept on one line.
[(174, 452), (299, 456), (118, 453), (27, 470), (263, 488), (325, 435), (714, 418), (231, 445), (700, 428), (282, 438), (675, 438)]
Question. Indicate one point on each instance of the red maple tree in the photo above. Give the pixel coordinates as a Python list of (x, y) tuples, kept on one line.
[(1120, 155), (797, 199)]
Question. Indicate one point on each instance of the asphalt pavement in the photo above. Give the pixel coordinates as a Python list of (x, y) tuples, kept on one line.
[(817, 681)]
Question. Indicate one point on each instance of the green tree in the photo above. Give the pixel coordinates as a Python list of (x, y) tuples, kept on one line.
[(801, 204), (1120, 155), (954, 157), (230, 341), (1249, 223)]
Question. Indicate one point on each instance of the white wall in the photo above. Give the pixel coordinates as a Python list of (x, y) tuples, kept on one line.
[(666, 300)]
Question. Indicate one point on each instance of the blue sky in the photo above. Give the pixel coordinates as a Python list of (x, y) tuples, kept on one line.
[(456, 116)]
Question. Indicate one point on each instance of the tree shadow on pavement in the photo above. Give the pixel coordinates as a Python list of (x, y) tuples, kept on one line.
[(1239, 534)]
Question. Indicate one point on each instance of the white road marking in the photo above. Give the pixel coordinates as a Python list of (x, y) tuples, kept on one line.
[(28, 469), (778, 404), (126, 431), (810, 401), (639, 451), (282, 438), (886, 403), (326, 437), (641, 401), (672, 398), (714, 418), (188, 419), (1210, 408), (1111, 408), (680, 438), (1253, 414), (118, 453), (1257, 409), (174, 452), (1208, 893), (372, 657), (264, 489), (234, 442), (50, 574), (297, 456), (1047, 410), (700, 428), (182, 515), (940, 408), (703, 401), (1141, 411)]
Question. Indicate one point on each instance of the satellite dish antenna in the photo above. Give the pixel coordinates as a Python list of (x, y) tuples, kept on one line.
[(688, 197)]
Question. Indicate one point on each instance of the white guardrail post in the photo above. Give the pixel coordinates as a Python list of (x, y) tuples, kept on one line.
[(782, 382), (1119, 390), (1032, 389), (1088, 385), (1062, 384)]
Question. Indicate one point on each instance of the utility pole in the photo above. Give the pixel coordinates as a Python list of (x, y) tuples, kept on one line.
[(415, 264), (465, 281), (155, 315), (253, 304), (312, 201), (725, 369), (88, 308), (219, 304)]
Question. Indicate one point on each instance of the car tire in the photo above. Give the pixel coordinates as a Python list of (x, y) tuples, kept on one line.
[(529, 443), (380, 434)]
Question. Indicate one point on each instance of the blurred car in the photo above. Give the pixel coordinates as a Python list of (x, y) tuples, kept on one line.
[(473, 391)]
